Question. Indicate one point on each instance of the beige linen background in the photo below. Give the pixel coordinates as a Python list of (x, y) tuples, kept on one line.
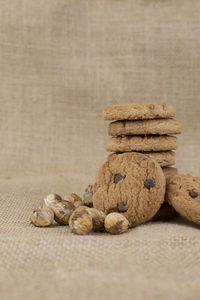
[(61, 62)]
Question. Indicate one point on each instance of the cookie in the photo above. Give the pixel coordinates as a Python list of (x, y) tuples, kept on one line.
[(164, 158), (169, 171), (136, 111), (129, 183), (183, 193), (142, 143), (144, 127)]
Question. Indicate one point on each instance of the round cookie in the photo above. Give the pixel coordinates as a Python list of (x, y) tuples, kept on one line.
[(130, 183), (183, 193), (135, 111), (144, 127), (142, 143)]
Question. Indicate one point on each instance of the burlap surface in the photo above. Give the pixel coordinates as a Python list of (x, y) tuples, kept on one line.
[(60, 63)]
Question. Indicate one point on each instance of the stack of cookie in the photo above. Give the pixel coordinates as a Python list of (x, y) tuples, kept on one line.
[(144, 127)]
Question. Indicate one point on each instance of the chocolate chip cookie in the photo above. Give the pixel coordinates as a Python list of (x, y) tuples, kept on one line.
[(144, 127), (142, 143), (183, 193), (136, 111), (129, 183)]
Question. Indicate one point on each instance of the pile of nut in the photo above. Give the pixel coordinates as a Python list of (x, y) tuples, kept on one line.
[(79, 214)]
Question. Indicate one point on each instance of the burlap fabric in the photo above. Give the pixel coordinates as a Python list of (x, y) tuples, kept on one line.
[(60, 63)]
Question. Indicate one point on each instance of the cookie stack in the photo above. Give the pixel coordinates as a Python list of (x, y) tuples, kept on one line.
[(144, 127)]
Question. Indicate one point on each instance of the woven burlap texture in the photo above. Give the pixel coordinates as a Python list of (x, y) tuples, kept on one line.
[(61, 62)]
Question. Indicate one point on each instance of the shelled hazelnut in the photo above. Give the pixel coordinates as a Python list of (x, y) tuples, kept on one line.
[(42, 217), (62, 211), (87, 196), (50, 200), (116, 223), (80, 221), (74, 199), (98, 218)]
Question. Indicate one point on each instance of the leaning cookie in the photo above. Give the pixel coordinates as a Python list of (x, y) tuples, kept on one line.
[(132, 184), (183, 193)]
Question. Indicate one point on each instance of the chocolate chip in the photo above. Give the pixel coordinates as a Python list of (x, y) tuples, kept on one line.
[(193, 194), (149, 183), (122, 207), (118, 177)]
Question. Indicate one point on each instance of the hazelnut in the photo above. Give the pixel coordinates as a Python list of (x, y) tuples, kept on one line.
[(74, 199), (50, 200), (98, 218), (62, 211), (87, 196), (80, 221), (42, 217), (116, 223)]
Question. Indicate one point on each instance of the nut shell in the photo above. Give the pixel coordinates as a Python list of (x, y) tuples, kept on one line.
[(88, 195), (116, 223), (42, 217), (50, 200), (62, 212), (74, 198), (98, 218), (80, 221)]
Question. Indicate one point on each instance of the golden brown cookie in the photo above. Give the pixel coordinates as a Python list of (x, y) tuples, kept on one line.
[(144, 127), (136, 111), (142, 143), (183, 193), (169, 171), (129, 183), (164, 158)]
